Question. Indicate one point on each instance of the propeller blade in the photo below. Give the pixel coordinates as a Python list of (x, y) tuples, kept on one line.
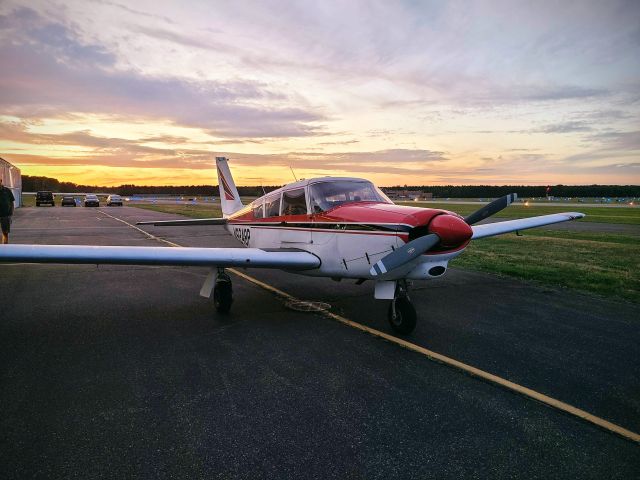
[(491, 208), (404, 254)]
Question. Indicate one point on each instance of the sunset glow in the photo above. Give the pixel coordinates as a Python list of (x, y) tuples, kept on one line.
[(489, 92)]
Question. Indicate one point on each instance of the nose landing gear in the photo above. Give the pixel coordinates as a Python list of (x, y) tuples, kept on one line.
[(402, 314)]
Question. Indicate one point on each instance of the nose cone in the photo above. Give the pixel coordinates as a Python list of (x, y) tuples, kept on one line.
[(452, 230)]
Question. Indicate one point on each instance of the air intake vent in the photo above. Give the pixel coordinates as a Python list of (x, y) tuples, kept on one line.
[(437, 271)]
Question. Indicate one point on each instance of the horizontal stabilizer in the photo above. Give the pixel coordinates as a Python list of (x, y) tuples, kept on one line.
[(498, 228), (180, 223)]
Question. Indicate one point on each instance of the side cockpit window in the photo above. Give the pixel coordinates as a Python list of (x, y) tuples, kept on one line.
[(294, 202), (272, 206), (258, 209)]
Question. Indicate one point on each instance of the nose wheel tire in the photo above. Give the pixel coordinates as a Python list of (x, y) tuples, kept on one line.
[(223, 296), (403, 319)]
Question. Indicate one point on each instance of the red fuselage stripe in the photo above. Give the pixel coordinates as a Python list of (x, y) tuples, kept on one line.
[(325, 230)]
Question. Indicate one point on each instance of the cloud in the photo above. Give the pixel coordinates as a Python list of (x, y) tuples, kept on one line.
[(566, 127), (559, 92), (105, 151), (190, 41), (467, 93), (25, 26), (434, 54), (134, 11), (345, 142), (616, 140), (52, 71), (443, 72), (392, 161), (119, 152), (606, 114)]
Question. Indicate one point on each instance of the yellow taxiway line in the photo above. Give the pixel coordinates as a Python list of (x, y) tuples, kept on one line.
[(468, 369)]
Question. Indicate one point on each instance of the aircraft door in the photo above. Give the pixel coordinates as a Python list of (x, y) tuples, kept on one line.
[(295, 219)]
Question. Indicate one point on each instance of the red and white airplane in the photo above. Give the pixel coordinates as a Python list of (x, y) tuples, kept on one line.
[(337, 227)]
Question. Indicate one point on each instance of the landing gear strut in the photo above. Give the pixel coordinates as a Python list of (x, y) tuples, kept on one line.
[(402, 314), (223, 292)]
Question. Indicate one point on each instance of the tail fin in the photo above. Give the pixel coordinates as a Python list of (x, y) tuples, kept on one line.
[(229, 196)]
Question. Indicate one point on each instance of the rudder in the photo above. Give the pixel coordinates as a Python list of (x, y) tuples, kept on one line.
[(229, 196)]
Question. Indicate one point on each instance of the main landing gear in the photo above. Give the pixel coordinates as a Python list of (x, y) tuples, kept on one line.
[(402, 314), (223, 292)]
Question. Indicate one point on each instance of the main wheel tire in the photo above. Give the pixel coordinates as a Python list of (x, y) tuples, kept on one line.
[(405, 319), (223, 296)]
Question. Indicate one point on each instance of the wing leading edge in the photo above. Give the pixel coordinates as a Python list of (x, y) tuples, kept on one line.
[(180, 223), (286, 259), (498, 228)]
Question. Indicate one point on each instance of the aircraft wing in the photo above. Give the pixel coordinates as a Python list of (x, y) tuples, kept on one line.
[(286, 259), (179, 223), (498, 228)]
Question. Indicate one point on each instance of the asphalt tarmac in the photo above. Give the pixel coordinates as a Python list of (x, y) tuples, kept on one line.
[(117, 371)]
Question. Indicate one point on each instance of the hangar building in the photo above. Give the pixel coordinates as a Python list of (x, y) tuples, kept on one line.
[(12, 179)]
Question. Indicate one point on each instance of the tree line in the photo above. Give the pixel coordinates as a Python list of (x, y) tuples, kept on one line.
[(526, 191), (36, 183)]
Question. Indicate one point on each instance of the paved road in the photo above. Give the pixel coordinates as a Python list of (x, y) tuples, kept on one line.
[(125, 371)]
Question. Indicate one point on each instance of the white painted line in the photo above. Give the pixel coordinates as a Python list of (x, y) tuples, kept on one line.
[(153, 237), (476, 372)]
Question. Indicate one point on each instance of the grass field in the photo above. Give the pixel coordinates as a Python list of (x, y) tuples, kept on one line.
[(189, 210), (605, 264)]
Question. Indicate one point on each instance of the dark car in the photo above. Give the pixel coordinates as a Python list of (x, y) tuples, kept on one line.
[(44, 198), (68, 202), (91, 201)]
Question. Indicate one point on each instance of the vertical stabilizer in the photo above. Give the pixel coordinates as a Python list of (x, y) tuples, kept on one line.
[(229, 196)]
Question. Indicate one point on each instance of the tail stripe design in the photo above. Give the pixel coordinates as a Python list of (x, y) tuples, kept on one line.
[(229, 196), (225, 186)]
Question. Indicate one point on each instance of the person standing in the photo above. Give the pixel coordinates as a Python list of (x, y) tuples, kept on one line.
[(6, 211)]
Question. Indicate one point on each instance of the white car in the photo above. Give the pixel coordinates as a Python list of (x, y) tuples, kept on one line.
[(114, 200)]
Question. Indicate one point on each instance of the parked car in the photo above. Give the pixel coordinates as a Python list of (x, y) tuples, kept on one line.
[(114, 200), (44, 198), (68, 201), (91, 200)]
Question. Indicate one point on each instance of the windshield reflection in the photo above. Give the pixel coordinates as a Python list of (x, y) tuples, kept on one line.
[(328, 195)]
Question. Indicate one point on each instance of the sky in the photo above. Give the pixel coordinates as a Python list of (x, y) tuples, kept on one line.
[(107, 92)]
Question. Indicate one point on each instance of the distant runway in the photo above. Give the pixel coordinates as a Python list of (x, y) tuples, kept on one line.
[(126, 371)]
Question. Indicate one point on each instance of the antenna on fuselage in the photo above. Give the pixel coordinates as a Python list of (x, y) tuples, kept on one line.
[(294, 174)]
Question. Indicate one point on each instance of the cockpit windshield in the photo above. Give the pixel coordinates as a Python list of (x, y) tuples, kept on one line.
[(331, 194)]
